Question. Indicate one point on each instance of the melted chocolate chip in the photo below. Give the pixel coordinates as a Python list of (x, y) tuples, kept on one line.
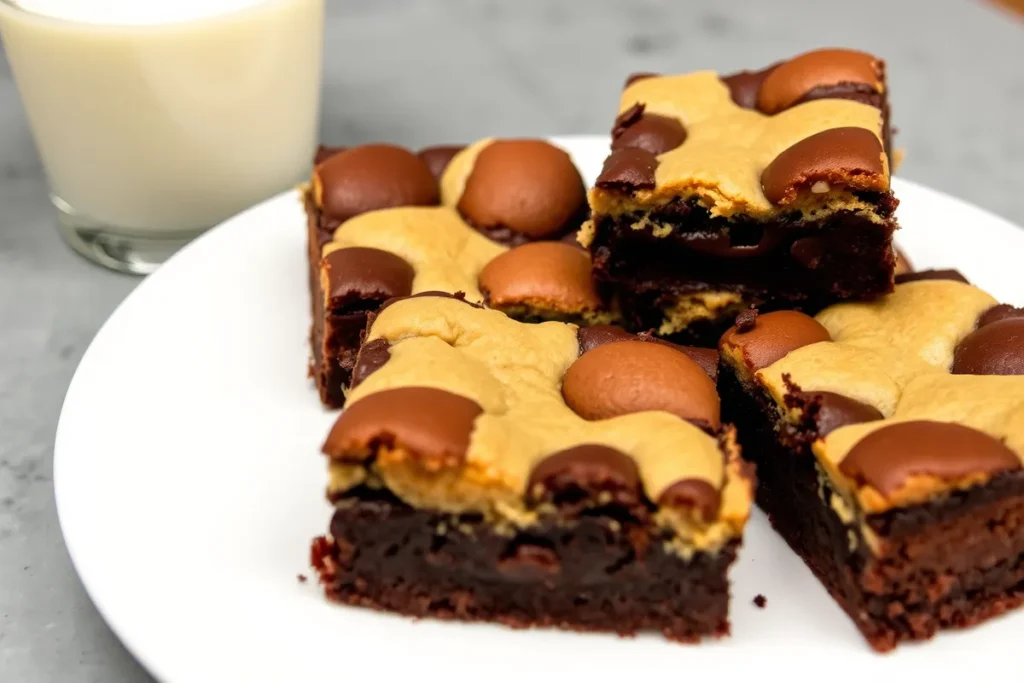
[(887, 458), (588, 469), (844, 157), (627, 119), (830, 411), (431, 425), (373, 177), (994, 349), (627, 170), (651, 132), (626, 377), (360, 273), (529, 187), (371, 357), (693, 494)]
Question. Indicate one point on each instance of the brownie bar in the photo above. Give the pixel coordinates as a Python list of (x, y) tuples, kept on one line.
[(495, 220), (768, 189), (888, 443), (601, 572), (488, 469)]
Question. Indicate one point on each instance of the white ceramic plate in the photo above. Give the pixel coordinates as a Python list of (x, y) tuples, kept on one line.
[(189, 484)]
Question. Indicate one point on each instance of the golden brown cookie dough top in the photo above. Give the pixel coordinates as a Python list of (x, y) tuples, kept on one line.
[(476, 412), (694, 136), (448, 213), (890, 377)]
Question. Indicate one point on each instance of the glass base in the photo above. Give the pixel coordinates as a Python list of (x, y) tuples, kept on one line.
[(126, 251)]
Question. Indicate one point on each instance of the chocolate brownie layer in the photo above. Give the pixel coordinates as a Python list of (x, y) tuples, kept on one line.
[(604, 571), (948, 563), (785, 262)]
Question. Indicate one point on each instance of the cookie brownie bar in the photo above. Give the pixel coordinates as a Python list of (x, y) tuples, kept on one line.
[(766, 188), (495, 220), (888, 438), (534, 474)]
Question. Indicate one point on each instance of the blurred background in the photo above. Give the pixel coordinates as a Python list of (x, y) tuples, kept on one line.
[(421, 72)]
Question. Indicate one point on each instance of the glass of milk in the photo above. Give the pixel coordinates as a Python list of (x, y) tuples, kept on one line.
[(157, 119)]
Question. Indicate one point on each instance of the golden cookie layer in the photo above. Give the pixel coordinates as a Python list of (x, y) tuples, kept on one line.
[(513, 373), (803, 150)]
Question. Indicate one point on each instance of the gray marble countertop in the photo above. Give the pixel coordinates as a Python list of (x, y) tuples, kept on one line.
[(426, 71)]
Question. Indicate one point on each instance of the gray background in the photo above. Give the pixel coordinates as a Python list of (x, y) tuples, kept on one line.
[(426, 71)]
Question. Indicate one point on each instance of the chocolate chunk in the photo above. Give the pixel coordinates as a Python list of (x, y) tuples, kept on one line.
[(994, 349), (371, 357), (744, 86), (639, 76), (627, 170), (372, 177), (807, 251), (651, 132), (948, 274), (792, 80), (438, 157), (359, 273), (551, 275), (846, 157), (626, 377), (692, 494), (588, 469), (325, 152), (596, 335), (626, 119), (529, 562), (431, 425), (999, 312), (527, 186), (774, 336), (760, 601), (887, 458), (830, 411), (746, 320)]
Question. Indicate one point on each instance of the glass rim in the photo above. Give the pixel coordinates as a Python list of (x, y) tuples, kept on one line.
[(13, 7)]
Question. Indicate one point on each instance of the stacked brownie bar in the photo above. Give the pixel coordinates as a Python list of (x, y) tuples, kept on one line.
[(495, 220), (888, 438), (507, 454), (767, 188), (532, 474)]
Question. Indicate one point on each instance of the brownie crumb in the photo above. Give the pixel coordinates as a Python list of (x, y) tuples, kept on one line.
[(302, 578), (760, 600), (746, 320)]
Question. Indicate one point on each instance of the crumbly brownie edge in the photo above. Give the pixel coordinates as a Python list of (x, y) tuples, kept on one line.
[(600, 572), (967, 549)]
